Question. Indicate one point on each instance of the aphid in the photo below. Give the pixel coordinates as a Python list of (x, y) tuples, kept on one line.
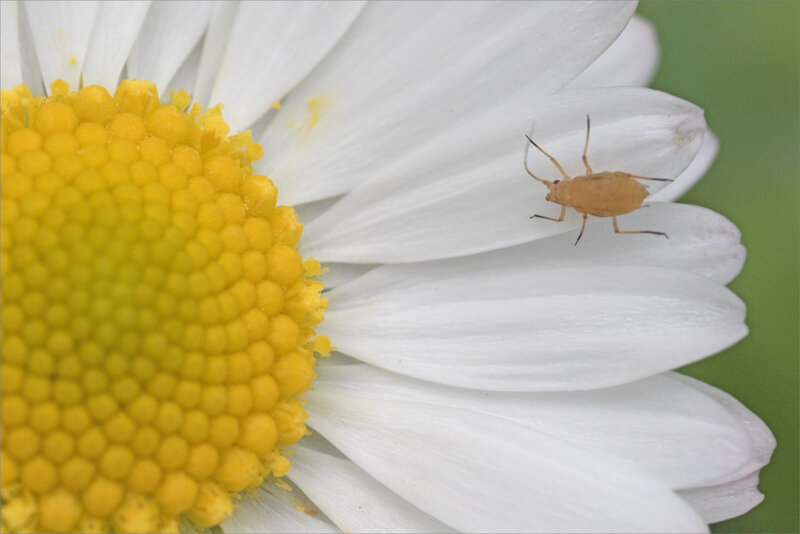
[(602, 194)]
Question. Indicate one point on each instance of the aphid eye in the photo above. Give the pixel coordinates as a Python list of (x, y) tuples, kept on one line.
[(556, 181)]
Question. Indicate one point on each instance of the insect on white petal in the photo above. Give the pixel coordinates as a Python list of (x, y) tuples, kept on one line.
[(602, 194)]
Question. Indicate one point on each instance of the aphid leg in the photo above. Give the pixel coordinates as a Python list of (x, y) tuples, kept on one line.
[(654, 179), (552, 159), (618, 231), (585, 148), (560, 217), (583, 226)]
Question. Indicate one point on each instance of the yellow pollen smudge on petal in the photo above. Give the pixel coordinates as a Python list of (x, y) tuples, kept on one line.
[(315, 108), (157, 320)]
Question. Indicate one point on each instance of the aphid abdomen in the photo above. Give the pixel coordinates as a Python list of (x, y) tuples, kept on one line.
[(603, 194)]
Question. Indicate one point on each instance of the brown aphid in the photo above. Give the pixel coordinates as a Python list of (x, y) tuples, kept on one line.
[(602, 194)]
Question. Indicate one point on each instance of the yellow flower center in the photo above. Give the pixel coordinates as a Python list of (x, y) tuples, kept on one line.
[(157, 319)]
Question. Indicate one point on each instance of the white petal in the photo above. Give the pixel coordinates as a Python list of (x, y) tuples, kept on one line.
[(11, 73), (760, 435), (272, 46), (718, 503), (341, 273), (311, 210), (631, 61), (469, 192), (169, 33), (216, 39), (700, 241), (658, 425), (351, 498), (186, 75), (479, 473), (61, 33), (115, 30), (414, 72), (517, 328), (337, 358), (274, 510), (696, 170), (334, 274), (257, 128), (31, 71)]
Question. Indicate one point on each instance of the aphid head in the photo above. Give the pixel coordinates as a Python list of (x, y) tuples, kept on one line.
[(551, 186)]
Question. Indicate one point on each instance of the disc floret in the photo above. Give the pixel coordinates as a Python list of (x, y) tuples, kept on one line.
[(157, 319)]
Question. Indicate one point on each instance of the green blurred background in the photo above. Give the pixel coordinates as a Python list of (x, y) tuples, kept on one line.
[(739, 62)]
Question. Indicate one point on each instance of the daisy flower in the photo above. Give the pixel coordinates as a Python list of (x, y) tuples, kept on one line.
[(162, 317)]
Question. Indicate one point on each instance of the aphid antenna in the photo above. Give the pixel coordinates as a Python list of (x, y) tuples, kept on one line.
[(551, 158), (548, 183)]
